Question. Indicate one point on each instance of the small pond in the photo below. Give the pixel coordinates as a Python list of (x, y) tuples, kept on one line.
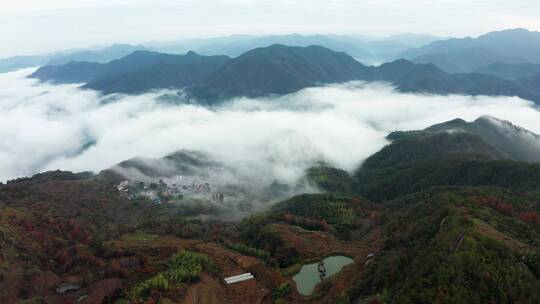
[(308, 277)]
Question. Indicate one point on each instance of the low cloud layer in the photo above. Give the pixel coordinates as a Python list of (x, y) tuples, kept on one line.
[(46, 127)]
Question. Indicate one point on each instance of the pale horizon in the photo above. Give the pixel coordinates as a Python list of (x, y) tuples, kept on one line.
[(35, 27)]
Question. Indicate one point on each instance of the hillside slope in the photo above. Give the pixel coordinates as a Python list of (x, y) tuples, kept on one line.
[(428, 78), (511, 71), (532, 83)]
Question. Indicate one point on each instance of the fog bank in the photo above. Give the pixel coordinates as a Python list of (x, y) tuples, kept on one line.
[(47, 127)]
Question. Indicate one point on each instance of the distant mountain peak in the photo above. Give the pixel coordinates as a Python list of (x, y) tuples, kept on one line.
[(500, 123), (512, 31), (509, 34), (401, 62), (142, 53), (490, 118), (122, 45), (192, 54)]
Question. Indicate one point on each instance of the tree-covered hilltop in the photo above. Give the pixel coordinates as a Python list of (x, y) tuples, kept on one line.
[(486, 152), (280, 69), (513, 142)]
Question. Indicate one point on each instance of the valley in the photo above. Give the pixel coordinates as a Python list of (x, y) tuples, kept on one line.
[(269, 152), (80, 238)]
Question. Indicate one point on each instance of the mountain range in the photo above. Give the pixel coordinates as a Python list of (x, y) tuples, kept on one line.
[(366, 49), (465, 55), (454, 55), (363, 48), (273, 70)]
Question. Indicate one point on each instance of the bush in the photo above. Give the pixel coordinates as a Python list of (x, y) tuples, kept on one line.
[(183, 267), (248, 250), (255, 231), (282, 291), (533, 263)]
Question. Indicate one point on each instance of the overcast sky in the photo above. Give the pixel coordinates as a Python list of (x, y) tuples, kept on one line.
[(35, 26)]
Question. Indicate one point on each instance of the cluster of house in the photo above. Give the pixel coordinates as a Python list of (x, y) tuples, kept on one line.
[(162, 192)]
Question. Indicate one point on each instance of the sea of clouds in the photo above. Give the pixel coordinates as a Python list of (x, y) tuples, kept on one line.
[(47, 127)]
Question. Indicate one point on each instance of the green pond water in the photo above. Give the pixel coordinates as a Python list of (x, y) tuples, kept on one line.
[(308, 277)]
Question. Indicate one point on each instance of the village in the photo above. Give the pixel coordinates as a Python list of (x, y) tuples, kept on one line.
[(173, 189)]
